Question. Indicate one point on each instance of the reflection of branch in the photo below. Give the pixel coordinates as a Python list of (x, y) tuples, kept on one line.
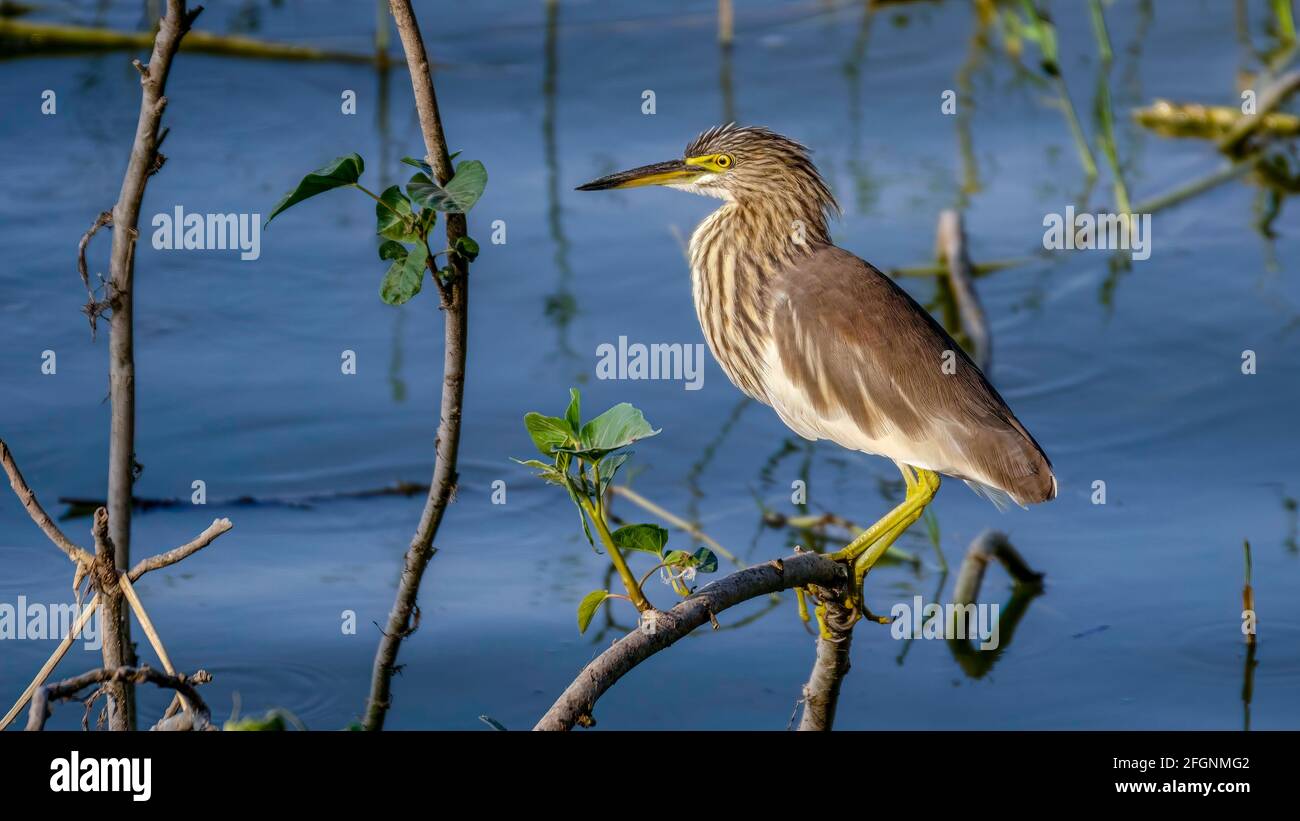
[(676, 521), (661, 629), (69, 688), (950, 241), (987, 546), (1269, 99)]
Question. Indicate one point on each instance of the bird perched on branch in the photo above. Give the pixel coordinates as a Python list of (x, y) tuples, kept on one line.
[(837, 349)]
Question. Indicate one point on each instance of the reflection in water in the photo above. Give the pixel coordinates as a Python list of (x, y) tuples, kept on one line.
[(864, 188), (561, 305)]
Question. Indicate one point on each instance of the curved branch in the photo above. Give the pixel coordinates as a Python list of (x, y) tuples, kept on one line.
[(455, 305), (38, 514), (40, 710), (174, 555), (661, 629)]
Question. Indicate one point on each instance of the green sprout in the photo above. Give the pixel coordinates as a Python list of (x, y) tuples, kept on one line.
[(404, 220), (584, 459)]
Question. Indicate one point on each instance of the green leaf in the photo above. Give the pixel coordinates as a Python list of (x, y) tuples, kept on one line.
[(405, 277), (544, 471), (467, 247), (273, 721), (678, 558), (573, 414), (646, 538), (616, 428), (609, 469), (394, 217), (587, 608), (388, 249), (420, 164), (343, 171), (548, 432), (457, 196), (705, 560)]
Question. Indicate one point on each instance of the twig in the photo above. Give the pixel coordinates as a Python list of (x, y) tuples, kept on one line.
[(38, 514), (52, 661), (138, 608), (455, 304), (661, 629), (94, 307), (68, 688), (174, 555)]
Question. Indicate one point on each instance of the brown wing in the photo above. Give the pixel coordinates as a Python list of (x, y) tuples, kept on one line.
[(864, 366)]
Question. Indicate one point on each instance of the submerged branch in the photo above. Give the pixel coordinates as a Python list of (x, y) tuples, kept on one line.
[(39, 38)]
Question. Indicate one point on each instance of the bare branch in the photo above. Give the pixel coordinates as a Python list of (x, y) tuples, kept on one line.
[(661, 629), (38, 514), (455, 304), (822, 692), (68, 688), (120, 291), (173, 556)]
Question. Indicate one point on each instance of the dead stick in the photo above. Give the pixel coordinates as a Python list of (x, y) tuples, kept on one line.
[(34, 509), (150, 631)]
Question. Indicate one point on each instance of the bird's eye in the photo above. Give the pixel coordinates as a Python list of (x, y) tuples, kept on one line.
[(723, 161)]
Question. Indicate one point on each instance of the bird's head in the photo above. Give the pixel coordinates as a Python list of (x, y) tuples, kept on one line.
[(739, 164)]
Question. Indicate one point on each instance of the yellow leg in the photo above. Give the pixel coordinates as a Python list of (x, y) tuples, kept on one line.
[(920, 491), (864, 551)]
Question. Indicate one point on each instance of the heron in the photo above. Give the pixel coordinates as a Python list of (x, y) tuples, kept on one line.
[(837, 349)]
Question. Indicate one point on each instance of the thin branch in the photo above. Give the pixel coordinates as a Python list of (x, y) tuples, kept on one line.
[(38, 514), (661, 629), (821, 694), (455, 304), (149, 630), (69, 688), (174, 555), (120, 292), (94, 307)]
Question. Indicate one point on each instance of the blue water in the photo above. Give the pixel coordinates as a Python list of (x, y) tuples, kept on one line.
[(1133, 380)]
